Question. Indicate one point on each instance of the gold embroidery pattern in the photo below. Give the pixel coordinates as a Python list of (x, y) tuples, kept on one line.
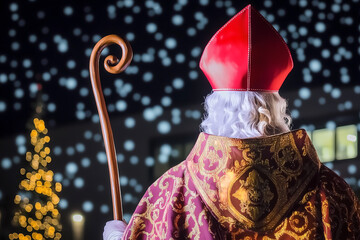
[(174, 197), (252, 195), (259, 182), (298, 222), (252, 183), (339, 207)]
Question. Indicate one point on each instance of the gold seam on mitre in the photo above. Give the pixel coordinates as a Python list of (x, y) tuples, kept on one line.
[(252, 183)]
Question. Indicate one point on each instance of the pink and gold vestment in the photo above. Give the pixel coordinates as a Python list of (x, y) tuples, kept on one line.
[(258, 188)]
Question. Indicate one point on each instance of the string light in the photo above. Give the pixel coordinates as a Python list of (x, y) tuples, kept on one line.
[(38, 214)]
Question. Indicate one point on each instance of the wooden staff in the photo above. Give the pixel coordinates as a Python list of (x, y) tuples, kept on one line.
[(114, 66)]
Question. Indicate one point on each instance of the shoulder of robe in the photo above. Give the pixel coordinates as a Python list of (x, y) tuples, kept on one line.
[(342, 204), (165, 186), (173, 175), (335, 186), (162, 205)]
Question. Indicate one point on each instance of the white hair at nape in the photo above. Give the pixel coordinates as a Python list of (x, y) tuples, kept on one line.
[(245, 114)]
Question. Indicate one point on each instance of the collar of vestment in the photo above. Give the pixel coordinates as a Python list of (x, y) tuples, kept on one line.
[(252, 183)]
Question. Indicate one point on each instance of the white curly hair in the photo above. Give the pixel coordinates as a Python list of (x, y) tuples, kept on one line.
[(245, 114)]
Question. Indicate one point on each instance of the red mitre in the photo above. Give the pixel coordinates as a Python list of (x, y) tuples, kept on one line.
[(246, 54)]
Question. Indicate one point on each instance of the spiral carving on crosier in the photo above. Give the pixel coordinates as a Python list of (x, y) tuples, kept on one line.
[(112, 65)]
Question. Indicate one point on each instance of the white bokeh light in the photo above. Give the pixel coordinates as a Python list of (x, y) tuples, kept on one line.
[(164, 127), (151, 27), (71, 169), (101, 157), (304, 93), (178, 83), (129, 145), (88, 206), (104, 208), (129, 122), (63, 204), (315, 65), (85, 162), (6, 163), (79, 182), (149, 161), (121, 105), (177, 20)]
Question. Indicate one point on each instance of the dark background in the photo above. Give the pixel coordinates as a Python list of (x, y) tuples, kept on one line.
[(155, 106)]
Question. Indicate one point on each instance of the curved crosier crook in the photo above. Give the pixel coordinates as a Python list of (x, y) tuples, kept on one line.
[(114, 66)]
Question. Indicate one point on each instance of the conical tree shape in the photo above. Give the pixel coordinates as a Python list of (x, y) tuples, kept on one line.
[(37, 217)]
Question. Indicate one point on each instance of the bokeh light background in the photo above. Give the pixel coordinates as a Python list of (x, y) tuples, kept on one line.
[(155, 106)]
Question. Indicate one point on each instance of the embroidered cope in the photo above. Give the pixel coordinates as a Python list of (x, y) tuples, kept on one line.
[(261, 188)]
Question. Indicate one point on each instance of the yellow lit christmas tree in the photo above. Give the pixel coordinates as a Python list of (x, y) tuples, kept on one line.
[(38, 217)]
